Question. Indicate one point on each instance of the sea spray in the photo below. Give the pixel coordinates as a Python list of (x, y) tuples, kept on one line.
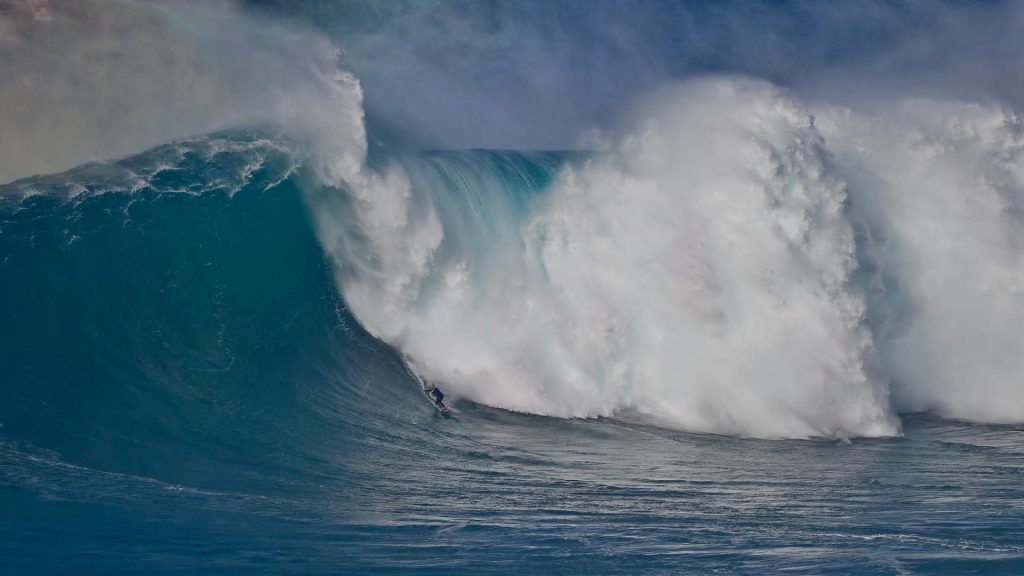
[(698, 276), (737, 262), (940, 185)]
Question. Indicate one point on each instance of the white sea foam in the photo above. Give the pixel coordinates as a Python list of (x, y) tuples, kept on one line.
[(698, 275), (941, 185), (739, 262)]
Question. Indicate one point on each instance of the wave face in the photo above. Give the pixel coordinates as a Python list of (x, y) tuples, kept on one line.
[(174, 300)]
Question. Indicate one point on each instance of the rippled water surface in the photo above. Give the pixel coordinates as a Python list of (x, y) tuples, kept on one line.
[(492, 492)]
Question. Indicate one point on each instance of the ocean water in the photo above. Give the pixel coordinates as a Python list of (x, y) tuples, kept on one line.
[(706, 296), (186, 389)]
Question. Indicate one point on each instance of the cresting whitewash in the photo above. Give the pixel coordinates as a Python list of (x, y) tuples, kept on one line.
[(739, 261)]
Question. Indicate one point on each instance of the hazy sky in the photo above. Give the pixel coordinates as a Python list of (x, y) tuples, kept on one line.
[(535, 74), (91, 79)]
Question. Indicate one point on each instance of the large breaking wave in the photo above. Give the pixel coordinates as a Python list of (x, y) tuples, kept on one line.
[(736, 259), (739, 262)]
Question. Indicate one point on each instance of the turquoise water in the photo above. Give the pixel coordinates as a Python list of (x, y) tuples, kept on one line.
[(184, 390)]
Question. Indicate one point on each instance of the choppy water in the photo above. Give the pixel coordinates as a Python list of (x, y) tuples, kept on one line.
[(490, 492)]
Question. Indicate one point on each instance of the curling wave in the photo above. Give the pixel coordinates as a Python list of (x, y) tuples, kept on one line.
[(740, 262)]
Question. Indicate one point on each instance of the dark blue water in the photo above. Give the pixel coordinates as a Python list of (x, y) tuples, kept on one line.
[(182, 390)]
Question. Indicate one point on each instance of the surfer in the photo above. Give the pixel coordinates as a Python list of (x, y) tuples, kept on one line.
[(437, 396)]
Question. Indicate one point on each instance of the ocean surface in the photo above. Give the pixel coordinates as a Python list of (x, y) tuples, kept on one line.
[(185, 390), (710, 287)]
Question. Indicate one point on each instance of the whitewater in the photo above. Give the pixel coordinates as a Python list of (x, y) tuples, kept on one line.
[(741, 263), (745, 327)]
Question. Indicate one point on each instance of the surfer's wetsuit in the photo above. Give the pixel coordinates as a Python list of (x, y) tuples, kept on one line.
[(437, 395)]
